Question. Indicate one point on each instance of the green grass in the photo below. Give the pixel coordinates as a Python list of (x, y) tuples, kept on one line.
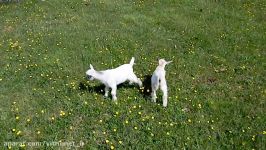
[(216, 81)]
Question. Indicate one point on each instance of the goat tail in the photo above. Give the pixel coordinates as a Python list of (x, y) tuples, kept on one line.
[(132, 61)]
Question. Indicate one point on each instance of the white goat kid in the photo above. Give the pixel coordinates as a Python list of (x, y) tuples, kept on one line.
[(113, 77), (158, 79)]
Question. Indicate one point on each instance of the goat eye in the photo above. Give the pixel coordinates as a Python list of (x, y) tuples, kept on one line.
[(89, 77)]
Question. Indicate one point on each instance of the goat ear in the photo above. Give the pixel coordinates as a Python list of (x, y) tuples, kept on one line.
[(168, 62), (91, 67)]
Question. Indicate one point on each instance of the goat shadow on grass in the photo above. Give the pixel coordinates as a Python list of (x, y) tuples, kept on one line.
[(83, 86), (146, 89)]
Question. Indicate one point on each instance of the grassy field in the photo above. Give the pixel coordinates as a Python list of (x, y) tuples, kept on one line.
[(216, 81)]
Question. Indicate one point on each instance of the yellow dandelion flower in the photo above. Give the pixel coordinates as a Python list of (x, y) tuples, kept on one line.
[(13, 130), (106, 141), (22, 145), (28, 120), (17, 117), (112, 147), (114, 130), (199, 105), (189, 120), (126, 122), (19, 133), (253, 138), (62, 113), (120, 142), (38, 132), (135, 128), (101, 121), (264, 132)]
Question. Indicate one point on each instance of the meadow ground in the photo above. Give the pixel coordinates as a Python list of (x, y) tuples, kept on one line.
[(216, 81)]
